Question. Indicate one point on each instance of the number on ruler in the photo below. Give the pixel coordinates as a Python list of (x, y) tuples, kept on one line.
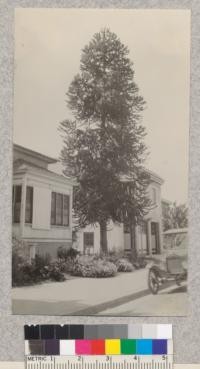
[(100, 362)]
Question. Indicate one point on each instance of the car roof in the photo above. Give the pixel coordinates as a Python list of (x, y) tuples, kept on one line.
[(176, 230)]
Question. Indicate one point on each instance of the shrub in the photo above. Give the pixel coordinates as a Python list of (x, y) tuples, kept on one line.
[(67, 258), (140, 262), (121, 261), (91, 267), (55, 273), (40, 266), (66, 266), (64, 253), (123, 265), (18, 262), (26, 272), (114, 256)]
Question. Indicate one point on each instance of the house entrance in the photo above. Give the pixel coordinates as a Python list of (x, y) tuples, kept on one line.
[(141, 238), (155, 238)]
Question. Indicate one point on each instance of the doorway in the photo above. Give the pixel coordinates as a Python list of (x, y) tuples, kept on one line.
[(155, 247)]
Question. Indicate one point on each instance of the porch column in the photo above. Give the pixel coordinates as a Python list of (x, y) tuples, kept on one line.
[(133, 240), (23, 207), (137, 239), (149, 236)]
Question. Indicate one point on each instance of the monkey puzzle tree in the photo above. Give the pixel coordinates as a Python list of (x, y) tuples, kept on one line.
[(103, 145)]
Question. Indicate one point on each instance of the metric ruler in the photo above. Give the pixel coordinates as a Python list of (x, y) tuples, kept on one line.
[(100, 362)]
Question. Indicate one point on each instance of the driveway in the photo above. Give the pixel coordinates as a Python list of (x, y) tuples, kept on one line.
[(81, 296)]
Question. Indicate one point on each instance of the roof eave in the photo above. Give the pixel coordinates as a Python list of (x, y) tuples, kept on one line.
[(45, 158)]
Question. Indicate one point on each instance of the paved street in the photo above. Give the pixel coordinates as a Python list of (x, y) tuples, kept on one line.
[(124, 294), (173, 299)]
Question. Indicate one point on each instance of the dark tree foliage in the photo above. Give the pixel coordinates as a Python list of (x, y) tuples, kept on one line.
[(103, 146), (175, 216)]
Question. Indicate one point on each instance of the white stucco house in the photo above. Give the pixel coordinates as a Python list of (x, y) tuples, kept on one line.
[(42, 211), (149, 238), (42, 203)]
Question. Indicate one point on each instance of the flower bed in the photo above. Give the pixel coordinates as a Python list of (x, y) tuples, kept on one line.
[(123, 265), (91, 267)]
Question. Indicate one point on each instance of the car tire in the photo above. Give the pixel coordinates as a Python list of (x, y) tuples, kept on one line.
[(153, 282)]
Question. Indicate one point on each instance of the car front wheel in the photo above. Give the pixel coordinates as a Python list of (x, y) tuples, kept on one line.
[(153, 282)]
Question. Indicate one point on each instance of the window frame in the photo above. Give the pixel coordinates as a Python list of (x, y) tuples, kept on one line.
[(88, 244), (14, 221), (53, 220), (30, 221), (126, 228)]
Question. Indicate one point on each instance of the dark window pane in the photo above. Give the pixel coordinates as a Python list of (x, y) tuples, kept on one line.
[(53, 208), (65, 210), (126, 228), (59, 207), (153, 228), (29, 205), (17, 191), (144, 227), (89, 239)]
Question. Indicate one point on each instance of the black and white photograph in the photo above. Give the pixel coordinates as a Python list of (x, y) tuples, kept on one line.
[(100, 162)]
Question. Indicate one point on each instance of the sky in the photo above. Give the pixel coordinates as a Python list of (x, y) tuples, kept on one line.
[(48, 44)]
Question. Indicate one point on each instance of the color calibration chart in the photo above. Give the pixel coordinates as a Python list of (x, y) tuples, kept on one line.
[(103, 346)]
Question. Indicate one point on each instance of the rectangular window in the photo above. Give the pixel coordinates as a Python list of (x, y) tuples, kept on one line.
[(16, 206), (88, 243), (53, 208), (88, 239), (126, 228), (155, 237), (29, 205), (153, 228), (144, 227), (65, 210), (59, 209)]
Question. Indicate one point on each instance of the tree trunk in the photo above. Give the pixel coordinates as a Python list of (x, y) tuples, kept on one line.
[(133, 241), (103, 238)]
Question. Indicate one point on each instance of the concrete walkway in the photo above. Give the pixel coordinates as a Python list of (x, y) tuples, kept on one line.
[(79, 296)]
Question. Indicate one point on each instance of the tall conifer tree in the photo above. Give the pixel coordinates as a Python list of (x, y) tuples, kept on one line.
[(104, 146)]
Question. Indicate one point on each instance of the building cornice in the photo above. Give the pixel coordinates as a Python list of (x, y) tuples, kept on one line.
[(35, 154), (43, 173)]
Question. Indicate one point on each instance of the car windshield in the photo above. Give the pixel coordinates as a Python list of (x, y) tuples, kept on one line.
[(175, 240)]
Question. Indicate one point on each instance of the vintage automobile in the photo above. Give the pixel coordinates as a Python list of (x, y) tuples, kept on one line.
[(171, 265)]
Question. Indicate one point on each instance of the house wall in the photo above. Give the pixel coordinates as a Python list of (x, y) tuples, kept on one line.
[(115, 235), (155, 215), (79, 244), (41, 235), (117, 240), (41, 226), (47, 248), (156, 212)]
